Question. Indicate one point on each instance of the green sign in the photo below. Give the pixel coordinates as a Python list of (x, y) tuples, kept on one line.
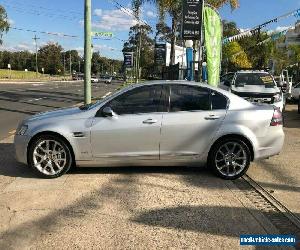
[(102, 34), (213, 44)]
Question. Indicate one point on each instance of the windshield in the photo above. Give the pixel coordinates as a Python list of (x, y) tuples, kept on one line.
[(262, 79)]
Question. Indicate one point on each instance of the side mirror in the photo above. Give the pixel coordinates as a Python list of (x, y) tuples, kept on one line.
[(108, 112)]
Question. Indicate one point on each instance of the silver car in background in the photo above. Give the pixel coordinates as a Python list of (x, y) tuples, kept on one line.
[(161, 123)]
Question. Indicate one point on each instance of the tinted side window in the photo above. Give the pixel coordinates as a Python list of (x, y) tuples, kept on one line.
[(218, 101), (145, 99), (188, 98)]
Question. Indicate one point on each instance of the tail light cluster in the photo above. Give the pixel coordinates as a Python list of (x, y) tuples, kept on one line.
[(276, 118)]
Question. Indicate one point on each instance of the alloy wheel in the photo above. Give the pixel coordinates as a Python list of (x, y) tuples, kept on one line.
[(49, 157), (231, 159)]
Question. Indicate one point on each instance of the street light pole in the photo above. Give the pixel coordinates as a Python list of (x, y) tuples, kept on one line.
[(36, 57), (87, 51), (70, 64)]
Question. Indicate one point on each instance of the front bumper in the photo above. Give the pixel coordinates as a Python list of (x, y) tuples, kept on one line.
[(21, 143)]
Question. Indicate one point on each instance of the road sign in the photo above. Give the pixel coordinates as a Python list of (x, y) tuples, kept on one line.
[(103, 34), (192, 19), (160, 54), (128, 59)]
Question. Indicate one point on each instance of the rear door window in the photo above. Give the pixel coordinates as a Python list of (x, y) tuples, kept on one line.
[(189, 98)]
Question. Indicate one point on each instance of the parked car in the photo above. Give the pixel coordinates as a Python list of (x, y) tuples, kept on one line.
[(295, 92), (94, 79), (77, 76), (106, 79), (155, 123), (257, 86)]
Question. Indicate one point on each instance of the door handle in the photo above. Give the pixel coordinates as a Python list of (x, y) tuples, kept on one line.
[(150, 121), (212, 117)]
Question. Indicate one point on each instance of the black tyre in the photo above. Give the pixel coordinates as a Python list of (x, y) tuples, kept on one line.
[(230, 158), (50, 156)]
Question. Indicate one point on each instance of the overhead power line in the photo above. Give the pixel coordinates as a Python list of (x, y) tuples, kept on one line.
[(45, 32), (128, 12), (258, 28), (18, 3)]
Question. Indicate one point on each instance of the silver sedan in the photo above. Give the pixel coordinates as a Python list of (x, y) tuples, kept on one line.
[(164, 123)]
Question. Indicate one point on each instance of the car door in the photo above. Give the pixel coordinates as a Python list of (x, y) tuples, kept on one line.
[(133, 132), (195, 115)]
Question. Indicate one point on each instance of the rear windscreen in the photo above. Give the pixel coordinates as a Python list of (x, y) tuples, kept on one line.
[(254, 79)]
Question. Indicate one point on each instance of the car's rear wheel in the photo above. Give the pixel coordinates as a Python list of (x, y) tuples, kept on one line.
[(49, 156), (230, 158)]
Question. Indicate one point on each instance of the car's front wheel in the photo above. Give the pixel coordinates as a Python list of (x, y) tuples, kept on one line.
[(49, 156), (230, 158)]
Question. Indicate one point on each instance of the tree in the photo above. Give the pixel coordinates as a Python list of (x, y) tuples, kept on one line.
[(174, 9), (234, 57), (142, 32), (219, 3), (4, 24), (75, 58), (50, 58), (163, 32), (229, 29)]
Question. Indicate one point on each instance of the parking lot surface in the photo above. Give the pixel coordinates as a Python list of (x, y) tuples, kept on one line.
[(137, 207)]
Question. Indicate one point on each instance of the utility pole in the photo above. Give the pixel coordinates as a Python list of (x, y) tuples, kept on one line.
[(70, 64), (87, 51), (64, 64), (36, 57)]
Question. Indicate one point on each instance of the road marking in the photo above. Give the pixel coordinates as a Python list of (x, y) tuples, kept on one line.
[(36, 99), (107, 94), (38, 84), (12, 132)]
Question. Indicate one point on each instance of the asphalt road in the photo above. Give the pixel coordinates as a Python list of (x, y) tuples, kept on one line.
[(20, 100)]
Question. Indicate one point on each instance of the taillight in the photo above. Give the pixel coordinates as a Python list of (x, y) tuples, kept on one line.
[(277, 118)]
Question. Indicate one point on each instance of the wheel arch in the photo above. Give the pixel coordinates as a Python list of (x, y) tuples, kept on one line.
[(233, 136), (53, 134)]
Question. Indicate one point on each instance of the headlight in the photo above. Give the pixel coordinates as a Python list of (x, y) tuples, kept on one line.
[(277, 98), (22, 130)]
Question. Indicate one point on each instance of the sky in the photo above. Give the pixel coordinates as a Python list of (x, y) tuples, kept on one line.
[(65, 17)]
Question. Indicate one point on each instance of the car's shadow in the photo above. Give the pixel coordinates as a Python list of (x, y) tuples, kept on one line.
[(11, 168)]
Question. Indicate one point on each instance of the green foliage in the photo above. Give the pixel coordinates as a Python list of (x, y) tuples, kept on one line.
[(102, 65), (219, 3), (4, 24), (50, 58), (234, 57), (147, 49)]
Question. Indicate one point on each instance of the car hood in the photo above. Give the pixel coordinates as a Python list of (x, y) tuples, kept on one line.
[(255, 89), (57, 114)]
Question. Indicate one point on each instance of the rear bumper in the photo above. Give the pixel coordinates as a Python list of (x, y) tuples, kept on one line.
[(21, 144), (271, 144)]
